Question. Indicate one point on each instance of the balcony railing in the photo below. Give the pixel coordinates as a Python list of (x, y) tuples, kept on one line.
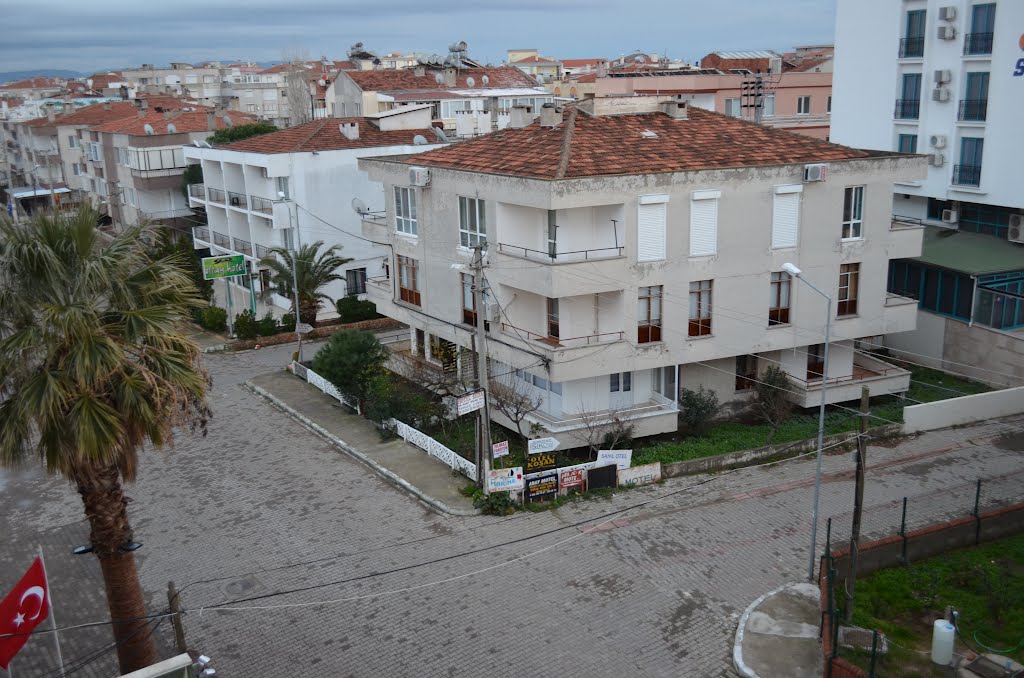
[(911, 48), (382, 282), (560, 257), (238, 200), (197, 191), (864, 367), (967, 175), (214, 195), (243, 246), (221, 240), (977, 43), (201, 233), (563, 342), (900, 223), (907, 109), (262, 251), (973, 109), (261, 204)]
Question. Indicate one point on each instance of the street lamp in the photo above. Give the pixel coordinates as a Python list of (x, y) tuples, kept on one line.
[(798, 274)]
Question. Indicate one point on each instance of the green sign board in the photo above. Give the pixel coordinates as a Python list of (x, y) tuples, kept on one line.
[(223, 267)]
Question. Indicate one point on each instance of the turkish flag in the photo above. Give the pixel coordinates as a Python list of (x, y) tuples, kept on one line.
[(24, 608)]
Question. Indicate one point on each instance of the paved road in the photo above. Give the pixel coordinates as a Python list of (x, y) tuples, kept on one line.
[(655, 592)]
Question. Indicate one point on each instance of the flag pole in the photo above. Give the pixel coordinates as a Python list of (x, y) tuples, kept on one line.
[(53, 619)]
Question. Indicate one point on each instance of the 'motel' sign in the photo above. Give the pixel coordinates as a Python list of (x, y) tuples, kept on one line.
[(1019, 68)]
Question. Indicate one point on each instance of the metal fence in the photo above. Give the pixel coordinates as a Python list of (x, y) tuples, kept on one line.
[(894, 523)]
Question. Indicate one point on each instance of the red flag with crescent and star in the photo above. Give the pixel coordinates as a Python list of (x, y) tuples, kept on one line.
[(24, 608)]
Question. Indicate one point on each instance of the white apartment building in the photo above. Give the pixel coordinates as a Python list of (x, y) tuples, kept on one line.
[(945, 78), (314, 167), (634, 247)]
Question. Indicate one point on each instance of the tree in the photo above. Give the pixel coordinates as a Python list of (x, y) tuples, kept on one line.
[(350, 361), (771, 390), (603, 430), (514, 402), (296, 86), (93, 368), (315, 270), (697, 408), (239, 132)]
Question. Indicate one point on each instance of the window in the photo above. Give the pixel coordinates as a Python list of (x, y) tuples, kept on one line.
[(251, 108), (472, 222), (828, 105), (552, 316), (408, 280), (746, 372), (620, 383), (849, 282), (912, 45), (968, 172), (778, 298), (355, 281), (732, 107), (768, 106), (73, 141), (907, 143), (803, 105), (76, 169), (284, 94), (552, 233), (405, 210), (663, 381), (704, 223), (974, 106), (786, 216), (700, 308), (282, 187), (983, 24), (650, 228), (908, 106), (815, 362), (270, 107), (853, 213), (648, 314), (468, 302), (936, 207)]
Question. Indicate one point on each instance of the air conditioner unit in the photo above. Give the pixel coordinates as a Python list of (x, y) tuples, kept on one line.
[(937, 140), (419, 176), (492, 313), (947, 13), (950, 217), (815, 172), (936, 160), (235, 202), (264, 173), (942, 76), (1016, 231), (946, 33), (940, 94)]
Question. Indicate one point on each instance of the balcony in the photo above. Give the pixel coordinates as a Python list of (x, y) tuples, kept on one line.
[(262, 251), (567, 274), (221, 240), (562, 342), (261, 205), (214, 195), (375, 226), (912, 48), (899, 313), (201, 234), (973, 110), (243, 246), (967, 175), (905, 237), (977, 44), (197, 192), (238, 200), (879, 376), (907, 109)]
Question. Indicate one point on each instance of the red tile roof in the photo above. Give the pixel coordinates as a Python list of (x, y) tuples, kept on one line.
[(534, 59), (579, 63), (406, 79), (183, 121), (32, 83), (806, 66), (324, 135), (98, 114), (614, 144), (103, 80)]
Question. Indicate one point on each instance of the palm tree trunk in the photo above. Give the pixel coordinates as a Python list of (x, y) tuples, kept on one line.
[(107, 512)]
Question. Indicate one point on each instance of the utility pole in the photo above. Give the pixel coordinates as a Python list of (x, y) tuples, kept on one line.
[(484, 439), (174, 602), (858, 502), (295, 278)]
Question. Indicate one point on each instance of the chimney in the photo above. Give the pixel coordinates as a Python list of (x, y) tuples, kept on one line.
[(549, 116), (349, 130), (450, 77), (419, 71), (51, 116), (106, 106), (211, 121), (675, 110), (521, 117), (602, 69), (492, 108)]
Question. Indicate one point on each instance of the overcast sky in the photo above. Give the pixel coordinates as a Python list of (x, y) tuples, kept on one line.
[(85, 36)]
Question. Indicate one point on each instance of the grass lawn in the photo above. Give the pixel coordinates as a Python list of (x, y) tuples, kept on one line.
[(985, 584)]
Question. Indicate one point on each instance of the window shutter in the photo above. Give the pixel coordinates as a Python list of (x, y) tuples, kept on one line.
[(785, 219), (704, 224), (650, 232)]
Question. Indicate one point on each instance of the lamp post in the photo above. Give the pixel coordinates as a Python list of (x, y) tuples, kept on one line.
[(798, 274)]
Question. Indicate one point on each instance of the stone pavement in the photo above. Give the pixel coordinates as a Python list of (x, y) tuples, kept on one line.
[(294, 559), (407, 466), (778, 634)]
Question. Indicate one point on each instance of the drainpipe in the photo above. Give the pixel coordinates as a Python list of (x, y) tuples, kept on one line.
[(974, 299)]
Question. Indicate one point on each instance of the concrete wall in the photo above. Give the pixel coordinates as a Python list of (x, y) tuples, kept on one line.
[(963, 410), (926, 340)]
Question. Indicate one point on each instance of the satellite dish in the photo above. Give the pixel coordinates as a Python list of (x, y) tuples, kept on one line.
[(88, 82), (148, 129), (540, 79), (442, 137), (485, 79), (359, 206), (171, 129), (321, 82), (419, 140), (195, 142), (470, 82), (227, 121), (438, 78), (639, 59), (205, 144)]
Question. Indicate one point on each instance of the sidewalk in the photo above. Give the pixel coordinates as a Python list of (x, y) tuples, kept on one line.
[(778, 634), (398, 462), (207, 341)]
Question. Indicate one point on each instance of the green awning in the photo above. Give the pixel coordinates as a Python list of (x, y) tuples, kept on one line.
[(970, 253)]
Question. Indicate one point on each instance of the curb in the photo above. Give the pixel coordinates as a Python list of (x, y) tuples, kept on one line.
[(391, 477), (737, 648)]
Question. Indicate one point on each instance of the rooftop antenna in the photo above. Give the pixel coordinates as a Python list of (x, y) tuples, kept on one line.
[(148, 129)]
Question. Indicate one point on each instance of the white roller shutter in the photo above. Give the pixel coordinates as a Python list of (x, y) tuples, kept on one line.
[(785, 218), (650, 232), (704, 223)]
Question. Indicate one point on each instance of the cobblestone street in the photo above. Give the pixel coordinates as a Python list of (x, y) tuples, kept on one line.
[(655, 591)]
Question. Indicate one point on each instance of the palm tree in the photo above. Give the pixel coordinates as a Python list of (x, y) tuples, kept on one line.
[(92, 367), (315, 270)]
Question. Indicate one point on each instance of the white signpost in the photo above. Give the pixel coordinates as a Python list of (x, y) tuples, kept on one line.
[(303, 328), (543, 445), (620, 458), (506, 480), (499, 449), (471, 402)]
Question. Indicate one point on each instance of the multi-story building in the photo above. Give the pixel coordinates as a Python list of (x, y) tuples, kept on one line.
[(258, 191), (945, 78), (531, 62), (635, 246), (205, 84)]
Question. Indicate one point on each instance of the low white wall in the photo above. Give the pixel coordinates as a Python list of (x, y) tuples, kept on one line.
[(963, 410)]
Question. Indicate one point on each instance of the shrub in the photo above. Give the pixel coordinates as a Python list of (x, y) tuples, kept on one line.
[(246, 325), (495, 503), (287, 322), (239, 132), (352, 310), (213, 318), (772, 404), (392, 397), (350, 361), (697, 408), (267, 325)]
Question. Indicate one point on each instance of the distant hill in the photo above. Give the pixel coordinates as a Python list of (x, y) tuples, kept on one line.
[(12, 76)]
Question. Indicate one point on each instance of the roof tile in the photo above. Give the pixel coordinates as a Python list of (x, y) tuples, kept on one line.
[(324, 135)]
